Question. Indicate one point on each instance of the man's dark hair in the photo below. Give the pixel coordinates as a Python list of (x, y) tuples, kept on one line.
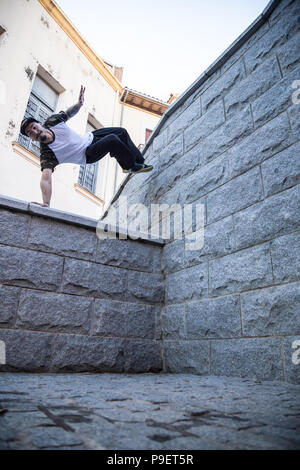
[(25, 123)]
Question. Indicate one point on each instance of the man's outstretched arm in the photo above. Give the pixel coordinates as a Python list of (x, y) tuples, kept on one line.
[(46, 187), (76, 107)]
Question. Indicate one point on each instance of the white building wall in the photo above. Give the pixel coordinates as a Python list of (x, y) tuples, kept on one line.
[(33, 40)]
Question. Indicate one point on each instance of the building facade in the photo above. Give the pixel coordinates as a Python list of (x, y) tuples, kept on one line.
[(43, 62)]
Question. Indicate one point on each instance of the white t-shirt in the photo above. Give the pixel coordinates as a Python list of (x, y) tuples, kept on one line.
[(69, 146)]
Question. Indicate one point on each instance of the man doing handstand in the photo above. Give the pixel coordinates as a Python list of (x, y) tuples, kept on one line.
[(60, 144)]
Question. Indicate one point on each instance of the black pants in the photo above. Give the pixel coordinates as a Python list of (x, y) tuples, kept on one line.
[(117, 142)]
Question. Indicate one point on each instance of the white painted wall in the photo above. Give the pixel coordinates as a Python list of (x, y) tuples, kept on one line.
[(32, 39)]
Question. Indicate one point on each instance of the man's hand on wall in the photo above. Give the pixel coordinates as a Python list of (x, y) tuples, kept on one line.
[(43, 204)]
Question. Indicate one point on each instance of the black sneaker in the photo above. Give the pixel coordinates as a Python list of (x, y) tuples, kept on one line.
[(139, 168)]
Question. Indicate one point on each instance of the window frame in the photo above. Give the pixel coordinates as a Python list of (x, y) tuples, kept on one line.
[(83, 170), (149, 131), (41, 103)]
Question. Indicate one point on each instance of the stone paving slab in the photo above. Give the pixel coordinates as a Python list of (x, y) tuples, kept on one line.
[(146, 411)]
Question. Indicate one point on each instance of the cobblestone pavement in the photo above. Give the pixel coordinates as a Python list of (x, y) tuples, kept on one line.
[(146, 411)]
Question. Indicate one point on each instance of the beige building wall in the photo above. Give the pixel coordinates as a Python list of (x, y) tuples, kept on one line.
[(34, 43)]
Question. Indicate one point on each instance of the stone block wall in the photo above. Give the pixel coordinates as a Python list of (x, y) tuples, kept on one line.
[(70, 301), (232, 143)]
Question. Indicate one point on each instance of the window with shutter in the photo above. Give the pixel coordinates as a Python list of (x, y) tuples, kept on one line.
[(41, 105), (148, 133), (88, 173)]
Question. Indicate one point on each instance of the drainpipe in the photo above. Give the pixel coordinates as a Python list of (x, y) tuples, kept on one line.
[(113, 118), (121, 122), (107, 165)]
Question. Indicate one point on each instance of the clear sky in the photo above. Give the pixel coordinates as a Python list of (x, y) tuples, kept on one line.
[(163, 45)]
